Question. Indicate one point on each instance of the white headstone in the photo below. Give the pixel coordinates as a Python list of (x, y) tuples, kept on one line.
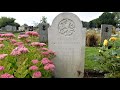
[(66, 37)]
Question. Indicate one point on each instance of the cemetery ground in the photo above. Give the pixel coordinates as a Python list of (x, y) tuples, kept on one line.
[(92, 67)]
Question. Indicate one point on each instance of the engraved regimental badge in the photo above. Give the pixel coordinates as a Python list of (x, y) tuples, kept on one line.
[(66, 27)]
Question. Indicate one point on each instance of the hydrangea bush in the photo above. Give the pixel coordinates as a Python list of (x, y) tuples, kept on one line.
[(23, 56)]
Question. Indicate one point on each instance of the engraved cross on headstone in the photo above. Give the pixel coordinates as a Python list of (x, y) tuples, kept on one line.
[(43, 27), (106, 29)]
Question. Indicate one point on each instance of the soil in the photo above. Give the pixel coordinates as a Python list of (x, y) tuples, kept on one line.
[(93, 74), (88, 73)]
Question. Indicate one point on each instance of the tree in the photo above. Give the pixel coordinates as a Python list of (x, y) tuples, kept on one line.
[(17, 25), (85, 24), (105, 18), (8, 21), (44, 19), (117, 18), (25, 24), (91, 24), (108, 18)]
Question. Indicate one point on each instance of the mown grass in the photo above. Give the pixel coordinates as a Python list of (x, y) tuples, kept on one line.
[(16, 34), (90, 53)]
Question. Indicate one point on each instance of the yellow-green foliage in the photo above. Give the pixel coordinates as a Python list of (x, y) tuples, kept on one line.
[(113, 30), (92, 38)]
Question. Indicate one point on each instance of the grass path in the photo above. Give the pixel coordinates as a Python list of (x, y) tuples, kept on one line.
[(90, 63)]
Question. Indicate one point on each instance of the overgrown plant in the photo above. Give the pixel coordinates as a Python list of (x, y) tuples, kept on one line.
[(113, 30), (92, 38), (109, 57), (25, 57)]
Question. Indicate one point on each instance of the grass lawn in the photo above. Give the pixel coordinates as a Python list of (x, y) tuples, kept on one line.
[(16, 34), (90, 63)]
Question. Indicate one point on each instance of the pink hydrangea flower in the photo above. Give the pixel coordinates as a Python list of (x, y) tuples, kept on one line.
[(21, 46), (33, 68), (1, 39), (19, 50), (50, 67), (7, 75), (37, 74), (23, 36), (48, 52), (2, 35), (45, 61), (2, 45), (51, 52), (44, 49), (13, 41), (9, 35), (15, 52), (18, 43), (37, 44), (2, 56), (42, 44), (1, 68), (32, 33), (28, 41), (35, 61), (45, 53), (23, 50)]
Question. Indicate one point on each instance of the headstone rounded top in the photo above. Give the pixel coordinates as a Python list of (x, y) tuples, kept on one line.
[(67, 24), (66, 15)]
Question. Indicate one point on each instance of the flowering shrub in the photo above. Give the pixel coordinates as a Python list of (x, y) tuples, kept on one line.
[(23, 56), (109, 57)]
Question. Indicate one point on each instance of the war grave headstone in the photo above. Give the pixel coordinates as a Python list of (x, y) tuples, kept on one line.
[(66, 36)]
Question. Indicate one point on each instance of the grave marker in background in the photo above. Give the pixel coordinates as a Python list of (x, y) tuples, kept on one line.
[(106, 31), (43, 30)]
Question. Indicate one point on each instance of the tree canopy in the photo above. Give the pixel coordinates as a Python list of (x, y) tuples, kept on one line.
[(8, 21), (105, 18), (44, 19)]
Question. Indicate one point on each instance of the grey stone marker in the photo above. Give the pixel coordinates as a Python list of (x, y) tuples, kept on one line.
[(22, 33), (106, 31), (43, 31), (66, 37)]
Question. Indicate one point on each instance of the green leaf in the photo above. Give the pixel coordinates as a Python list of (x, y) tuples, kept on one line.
[(24, 74), (24, 62), (118, 52), (114, 52), (11, 71), (17, 75), (7, 68), (117, 44)]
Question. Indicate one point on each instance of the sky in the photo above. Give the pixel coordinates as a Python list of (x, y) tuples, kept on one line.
[(31, 18)]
